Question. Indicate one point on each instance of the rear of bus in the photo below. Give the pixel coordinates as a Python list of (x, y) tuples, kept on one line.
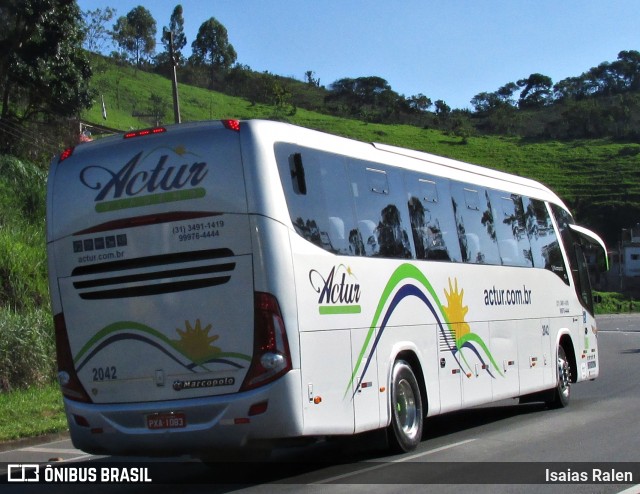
[(165, 343)]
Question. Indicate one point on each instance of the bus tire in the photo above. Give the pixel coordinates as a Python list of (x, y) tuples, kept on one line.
[(405, 431), (562, 392)]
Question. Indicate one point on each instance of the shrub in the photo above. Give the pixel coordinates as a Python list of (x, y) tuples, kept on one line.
[(27, 348)]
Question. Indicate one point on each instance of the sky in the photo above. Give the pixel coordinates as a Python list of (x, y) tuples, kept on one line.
[(448, 50)]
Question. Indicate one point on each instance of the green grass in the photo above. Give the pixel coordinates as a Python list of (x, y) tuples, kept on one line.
[(27, 348), (615, 303), (31, 412)]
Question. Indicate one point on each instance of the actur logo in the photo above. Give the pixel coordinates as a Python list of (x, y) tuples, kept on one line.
[(337, 293), (131, 181)]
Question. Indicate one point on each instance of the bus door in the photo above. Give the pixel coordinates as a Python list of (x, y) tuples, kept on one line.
[(584, 320), (574, 239)]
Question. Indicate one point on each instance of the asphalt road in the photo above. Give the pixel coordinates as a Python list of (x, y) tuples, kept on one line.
[(501, 448)]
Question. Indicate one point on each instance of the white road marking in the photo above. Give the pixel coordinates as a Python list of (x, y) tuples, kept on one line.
[(399, 460), (635, 489), (60, 451)]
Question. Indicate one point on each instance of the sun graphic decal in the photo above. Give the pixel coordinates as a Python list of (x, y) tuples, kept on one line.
[(456, 311), (195, 342), (460, 330)]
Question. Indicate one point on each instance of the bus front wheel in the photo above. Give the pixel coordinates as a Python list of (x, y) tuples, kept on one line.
[(405, 431)]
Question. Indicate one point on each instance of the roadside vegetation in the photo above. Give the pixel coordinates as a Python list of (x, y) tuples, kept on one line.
[(30, 400), (26, 346), (615, 303)]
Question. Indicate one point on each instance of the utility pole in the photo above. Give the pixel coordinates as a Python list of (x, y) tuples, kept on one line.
[(168, 35)]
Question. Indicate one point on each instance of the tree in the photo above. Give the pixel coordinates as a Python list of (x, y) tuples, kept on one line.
[(176, 27), (505, 93), (365, 96), (309, 77), (628, 68), (95, 32), (419, 103), (603, 80), (536, 91), (211, 48), (488, 102), (442, 109), (43, 69), (363, 90), (484, 102), (135, 33), (571, 88)]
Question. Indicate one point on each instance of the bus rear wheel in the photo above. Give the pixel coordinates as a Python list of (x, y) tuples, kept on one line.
[(562, 392), (405, 431)]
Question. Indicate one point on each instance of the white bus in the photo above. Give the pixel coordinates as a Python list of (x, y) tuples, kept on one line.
[(226, 284)]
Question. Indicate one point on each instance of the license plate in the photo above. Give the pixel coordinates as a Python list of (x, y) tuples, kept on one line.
[(166, 421)]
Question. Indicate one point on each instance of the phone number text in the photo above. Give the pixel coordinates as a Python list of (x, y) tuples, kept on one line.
[(198, 231)]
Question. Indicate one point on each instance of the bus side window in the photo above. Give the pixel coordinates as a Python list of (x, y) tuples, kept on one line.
[(513, 242), (376, 193), (433, 225), (475, 224), (316, 189), (545, 247)]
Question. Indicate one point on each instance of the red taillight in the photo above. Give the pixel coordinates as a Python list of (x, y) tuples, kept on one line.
[(145, 132), (258, 408), (65, 154), (271, 356), (232, 125), (67, 377)]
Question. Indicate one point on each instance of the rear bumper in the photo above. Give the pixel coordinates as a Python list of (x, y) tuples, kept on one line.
[(211, 423)]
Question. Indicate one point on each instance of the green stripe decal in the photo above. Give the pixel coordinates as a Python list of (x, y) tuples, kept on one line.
[(119, 326), (408, 273), (403, 272), (339, 309), (476, 339), (125, 326), (151, 200)]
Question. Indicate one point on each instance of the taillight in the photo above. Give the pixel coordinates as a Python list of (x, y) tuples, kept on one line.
[(65, 154), (67, 377), (145, 132), (271, 356), (232, 125)]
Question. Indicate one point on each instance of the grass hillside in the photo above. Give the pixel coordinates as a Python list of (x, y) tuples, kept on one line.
[(599, 179)]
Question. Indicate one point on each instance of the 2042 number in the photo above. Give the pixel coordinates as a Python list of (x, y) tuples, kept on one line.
[(108, 373)]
